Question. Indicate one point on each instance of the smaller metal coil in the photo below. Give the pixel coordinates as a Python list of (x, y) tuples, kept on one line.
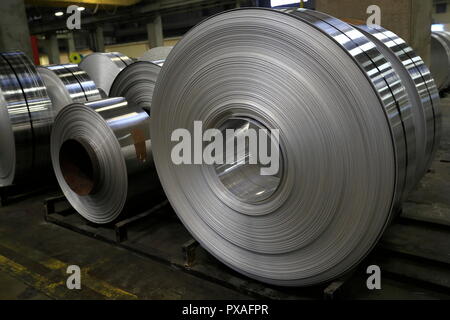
[(136, 83), (67, 84), (103, 68), (101, 157), (90, 90)]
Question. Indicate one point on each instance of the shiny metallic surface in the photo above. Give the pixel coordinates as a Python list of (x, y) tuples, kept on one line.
[(103, 68), (241, 178), (422, 91), (391, 91), (25, 93), (67, 84), (118, 167), (7, 147), (39, 107), (412, 93), (88, 86), (16, 136), (345, 127)]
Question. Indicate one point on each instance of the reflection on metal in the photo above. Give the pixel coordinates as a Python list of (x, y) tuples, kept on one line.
[(67, 84), (349, 133), (421, 91), (103, 162), (25, 118), (103, 68)]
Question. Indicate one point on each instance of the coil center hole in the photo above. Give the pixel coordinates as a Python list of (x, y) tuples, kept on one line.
[(239, 175), (78, 164)]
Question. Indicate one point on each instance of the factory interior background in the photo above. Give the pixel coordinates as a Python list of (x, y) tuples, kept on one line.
[(360, 206)]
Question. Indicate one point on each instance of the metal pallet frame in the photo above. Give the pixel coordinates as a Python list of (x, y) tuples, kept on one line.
[(190, 256)]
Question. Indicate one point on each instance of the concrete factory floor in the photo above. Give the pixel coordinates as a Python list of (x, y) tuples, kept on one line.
[(34, 254)]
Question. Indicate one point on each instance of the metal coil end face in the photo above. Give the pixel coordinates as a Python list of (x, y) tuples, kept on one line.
[(88, 162), (326, 207), (136, 83)]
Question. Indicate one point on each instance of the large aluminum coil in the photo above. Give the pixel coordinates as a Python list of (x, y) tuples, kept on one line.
[(347, 141), (136, 83), (103, 67), (25, 120), (66, 84), (440, 60), (420, 88), (102, 157)]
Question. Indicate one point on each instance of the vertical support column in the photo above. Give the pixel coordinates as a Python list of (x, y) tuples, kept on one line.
[(238, 4), (99, 39), (155, 32), (14, 32), (70, 43), (35, 49), (53, 49), (410, 19)]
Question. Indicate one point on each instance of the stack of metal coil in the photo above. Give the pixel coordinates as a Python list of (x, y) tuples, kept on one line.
[(101, 151), (25, 117), (30, 99), (359, 122), (356, 109)]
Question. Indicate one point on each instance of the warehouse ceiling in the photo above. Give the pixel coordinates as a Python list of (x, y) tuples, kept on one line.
[(62, 3), (126, 22), (42, 19)]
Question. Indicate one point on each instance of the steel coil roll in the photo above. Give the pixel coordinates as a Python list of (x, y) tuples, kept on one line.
[(103, 68), (26, 120), (67, 84), (420, 88), (101, 157), (440, 60), (136, 83), (88, 86), (347, 141)]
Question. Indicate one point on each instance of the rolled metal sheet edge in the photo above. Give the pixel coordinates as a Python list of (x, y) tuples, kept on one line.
[(32, 132), (101, 156), (67, 84)]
